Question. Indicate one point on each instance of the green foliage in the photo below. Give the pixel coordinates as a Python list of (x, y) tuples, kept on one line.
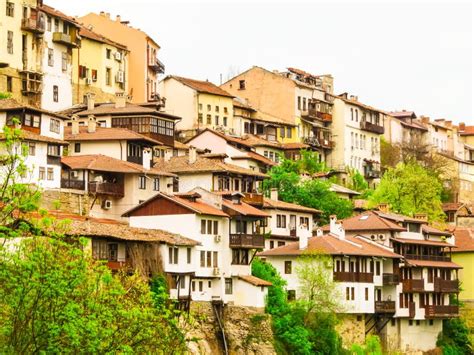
[(306, 192), (4, 95), (372, 346), (455, 337), (409, 189), (276, 299)]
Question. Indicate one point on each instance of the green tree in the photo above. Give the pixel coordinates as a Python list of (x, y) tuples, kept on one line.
[(372, 346), (455, 340), (409, 189)]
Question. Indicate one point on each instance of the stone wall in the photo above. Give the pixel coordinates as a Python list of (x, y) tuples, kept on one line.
[(351, 329), (72, 202)]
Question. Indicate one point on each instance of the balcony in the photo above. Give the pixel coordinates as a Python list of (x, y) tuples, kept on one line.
[(255, 199), (372, 174), (106, 188), (385, 307), (116, 265), (447, 286), (413, 285), (342, 276), (64, 38), (319, 142), (155, 64), (33, 25), (315, 114), (371, 127), (390, 279), (250, 241), (439, 311), (427, 257), (73, 184)]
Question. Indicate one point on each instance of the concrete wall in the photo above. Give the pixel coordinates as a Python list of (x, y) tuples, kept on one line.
[(466, 260)]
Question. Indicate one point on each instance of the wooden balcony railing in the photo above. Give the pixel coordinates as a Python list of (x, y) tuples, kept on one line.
[(385, 307), (391, 279), (411, 309), (106, 188), (441, 285), (73, 184), (247, 241), (35, 25), (116, 265), (343, 276), (438, 311), (371, 127), (427, 257), (413, 285), (155, 64), (313, 113), (64, 38), (255, 199)]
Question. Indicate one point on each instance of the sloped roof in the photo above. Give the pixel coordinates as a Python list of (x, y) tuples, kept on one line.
[(398, 217), (33, 137), (468, 131), (368, 221), (332, 245), (281, 205), (13, 105), (434, 231), (464, 239), (423, 242), (403, 113), (244, 209), (196, 206), (431, 263), (254, 280), (101, 162), (414, 124), (107, 228), (105, 134), (343, 189), (110, 109), (181, 165), (201, 86), (53, 12), (451, 206), (87, 33), (361, 105)]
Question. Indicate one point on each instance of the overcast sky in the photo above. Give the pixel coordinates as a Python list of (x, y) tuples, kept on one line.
[(404, 55)]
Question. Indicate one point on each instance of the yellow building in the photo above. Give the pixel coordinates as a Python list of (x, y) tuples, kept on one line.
[(22, 26), (464, 256), (143, 64), (201, 104), (100, 66)]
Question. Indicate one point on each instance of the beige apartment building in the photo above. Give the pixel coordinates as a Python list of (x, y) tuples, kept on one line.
[(144, 66)]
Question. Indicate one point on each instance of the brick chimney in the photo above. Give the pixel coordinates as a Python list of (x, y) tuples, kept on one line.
[(383, 207), (91, 124), (462, 126), (421, 216)]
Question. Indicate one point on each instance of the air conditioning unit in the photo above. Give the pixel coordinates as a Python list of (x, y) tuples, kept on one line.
[(106, 204), (118, 56), (381, 237), (88, 81), (373, 237), (217, 238), (120, 77), (216, 271), (74, 174)]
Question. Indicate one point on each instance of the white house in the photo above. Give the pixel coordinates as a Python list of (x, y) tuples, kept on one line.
[(228, 231)]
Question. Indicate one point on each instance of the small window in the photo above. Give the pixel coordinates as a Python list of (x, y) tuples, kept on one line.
[(216, 227), (241, 84), (217, 108), (225, 110), (288, 267), (49, 24), (410, 322), (31, 149), (77, 147), (108, 53), (366, 293), (288, 132), (142, 182), (188, 255), (50, 57), (200, 107), (10, 9), (272, 244), (217, 121), (10, 42), (54, 125), (50, 174), (228, 286), (377, 268), (203, 259), (203, 226), (156, 184), (208, 119), (108, 76), (291, 295), (281, 244), (209, 107), (282, 132), (200, 117), (9, 84), (64, 61), (55, 93), (224, 121)]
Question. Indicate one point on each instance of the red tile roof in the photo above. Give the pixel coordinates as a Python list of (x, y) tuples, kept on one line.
[(403, 114), (87, 33), (103, 134), (430, 263), (464, 239), (101, 162), (201, 86), (468, 131), (423, 242), (56, 13), (368, 221), (434, 231), (244, 209), (13, 105), (256, 157), (254, 280), (332, 245), (451, 206), (33, 137), (287, 206)]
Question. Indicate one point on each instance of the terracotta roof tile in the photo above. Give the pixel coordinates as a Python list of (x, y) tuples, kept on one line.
[(13, 105), (368, 221), (431, 263), (110, 109), (451, 206), (360, 104), (33, 137), (201, 86), (423, 242), (434, 231), (343, 189), (468, 131), (53, 12), (464, 239), (244, 209), (291, 146), (281, 205), (87, 33), (105, 163), (254, 280), (255, 156), (403, 114), (332, 245), (103, 134), (181, 165)]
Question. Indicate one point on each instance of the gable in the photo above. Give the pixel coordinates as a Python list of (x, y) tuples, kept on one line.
[(159, 207)]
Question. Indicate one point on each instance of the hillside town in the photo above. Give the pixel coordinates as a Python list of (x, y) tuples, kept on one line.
[(164, 174)]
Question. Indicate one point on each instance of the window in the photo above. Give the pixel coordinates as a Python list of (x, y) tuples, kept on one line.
[(203, 226), (208, 258), (377, 268), (10, 42), (282, 132), (64, 62), (241, 84), (281, 244), (56, 25), (431, 322), (49, 24), (225, 110), (410, 322), (108, 53), (188, 255), (173, 255), (55, 93), (291, 295), (288, 267), (299, 102), (209, 107), (203, 258), (208, 119), (288, 132), (9, 84), (54, 150), (142, 182), (304, 221), (200, 107), (10, 9), (304, 103), (240, 257), (77, 147), (348, 293), (50, 175), (50, 57), (366, 293), (281, 221), (272, 244), (108, 76), (217, 108), (246, 127), (353, 293), (357, 115), (156, 184), (31, 149), (217, 121), (228, 286), (224, 121), (200, 117), (54, 125)]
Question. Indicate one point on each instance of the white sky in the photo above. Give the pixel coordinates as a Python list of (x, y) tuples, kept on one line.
[(405, 55)]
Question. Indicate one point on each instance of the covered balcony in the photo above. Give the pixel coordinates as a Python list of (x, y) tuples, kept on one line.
[(33, 24), (390, 279), (371, 127), (67, 39), (385, 307), (155, 64), (441, 311), (247, 241), (413, 285), (344, 276), (447, 286), (106, 188)]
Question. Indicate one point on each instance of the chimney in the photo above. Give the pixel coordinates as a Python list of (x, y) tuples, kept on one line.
[(192, 155), (344, 95), (147, 157), (449, 124), (91, 124), (118, 19), (107, 14), (383, 207), (274, 194), (319, 232), (74, 124), (120, 100), (425, 119), (336, 228), (168, 154), (90, 100), (462, 126), (303, 241), (102, 13), (421, 217)]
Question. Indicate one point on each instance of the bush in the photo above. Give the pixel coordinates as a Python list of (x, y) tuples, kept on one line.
[(454, 340)]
